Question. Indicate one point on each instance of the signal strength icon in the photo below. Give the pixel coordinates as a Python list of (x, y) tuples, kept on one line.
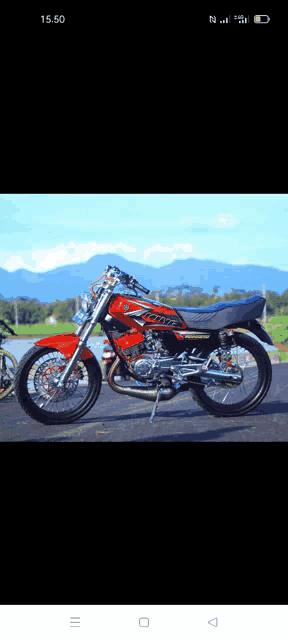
[(226, 21), (242, 19)]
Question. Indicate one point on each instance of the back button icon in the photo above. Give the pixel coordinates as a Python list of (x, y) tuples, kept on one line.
[(214, 622)]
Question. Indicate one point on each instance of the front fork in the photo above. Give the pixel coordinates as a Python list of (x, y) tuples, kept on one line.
[(82, 342)]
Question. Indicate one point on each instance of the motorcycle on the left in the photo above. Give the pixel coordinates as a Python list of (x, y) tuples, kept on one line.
[(8, 365)]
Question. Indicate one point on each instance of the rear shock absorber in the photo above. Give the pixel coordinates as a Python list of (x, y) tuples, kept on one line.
[(225, 350)]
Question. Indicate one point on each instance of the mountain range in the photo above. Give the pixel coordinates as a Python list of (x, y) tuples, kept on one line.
[(68, 281)]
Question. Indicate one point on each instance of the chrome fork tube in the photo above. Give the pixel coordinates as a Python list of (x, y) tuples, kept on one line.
[(82, 342)]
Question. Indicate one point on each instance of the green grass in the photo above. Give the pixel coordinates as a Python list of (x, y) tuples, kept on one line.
[(277, 327), (283, 355), (39, 330)]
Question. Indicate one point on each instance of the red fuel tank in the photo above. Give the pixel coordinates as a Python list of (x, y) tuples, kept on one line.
[(142, 313)]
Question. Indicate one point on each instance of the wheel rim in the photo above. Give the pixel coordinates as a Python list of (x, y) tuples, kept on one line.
[(39, 383), (221, 394)]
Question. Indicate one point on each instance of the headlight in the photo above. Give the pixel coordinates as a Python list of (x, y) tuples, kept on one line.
[(85, 300), (80, 317), (84, 305)]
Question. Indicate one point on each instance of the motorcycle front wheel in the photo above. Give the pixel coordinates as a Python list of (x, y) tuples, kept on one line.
[(224, 401), (39, 399), (7, 370)]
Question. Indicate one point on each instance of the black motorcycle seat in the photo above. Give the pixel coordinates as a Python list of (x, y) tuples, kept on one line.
[(222, 314)]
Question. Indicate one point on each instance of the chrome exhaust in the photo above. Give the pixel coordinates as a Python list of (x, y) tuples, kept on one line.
[(145, 394), (168, 393)]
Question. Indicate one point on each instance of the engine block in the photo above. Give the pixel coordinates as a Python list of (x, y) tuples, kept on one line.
[(147, 357)]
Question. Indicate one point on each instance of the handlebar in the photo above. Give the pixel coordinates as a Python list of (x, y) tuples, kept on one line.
[(130, 280), (8, 328)]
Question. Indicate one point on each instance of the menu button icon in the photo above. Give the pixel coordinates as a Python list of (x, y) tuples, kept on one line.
[(74, 621)]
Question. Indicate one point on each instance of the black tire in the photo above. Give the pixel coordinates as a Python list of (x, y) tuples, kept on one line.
[(49, 417), (256, 396)]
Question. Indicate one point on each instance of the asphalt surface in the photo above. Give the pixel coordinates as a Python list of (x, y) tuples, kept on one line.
[(117, 418)]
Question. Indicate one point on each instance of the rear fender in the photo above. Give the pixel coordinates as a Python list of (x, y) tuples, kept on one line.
[(66, 343), (255, 327)]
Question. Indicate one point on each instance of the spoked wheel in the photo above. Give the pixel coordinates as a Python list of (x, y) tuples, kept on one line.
[(35, 386), (221, 399), (8, 366)]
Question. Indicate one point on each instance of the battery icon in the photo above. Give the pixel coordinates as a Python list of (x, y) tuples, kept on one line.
[(261, 19)]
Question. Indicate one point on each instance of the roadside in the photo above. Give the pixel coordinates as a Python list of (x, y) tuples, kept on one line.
[(119, 418)]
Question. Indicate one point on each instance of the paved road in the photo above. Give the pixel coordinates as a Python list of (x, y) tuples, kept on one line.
[(124, 419)]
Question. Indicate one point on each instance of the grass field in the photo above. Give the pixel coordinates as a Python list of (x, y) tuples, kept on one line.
[(40, 330), (276, 328)]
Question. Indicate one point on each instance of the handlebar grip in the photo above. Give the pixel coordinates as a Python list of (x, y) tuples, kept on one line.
[(139, 286)]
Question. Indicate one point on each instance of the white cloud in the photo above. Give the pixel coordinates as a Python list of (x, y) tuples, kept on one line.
[(71, 253), (14, 263), (187, 248), (224, 220)]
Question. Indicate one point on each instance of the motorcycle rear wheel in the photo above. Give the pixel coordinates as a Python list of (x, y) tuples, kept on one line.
[(25, 375), (258, 393)]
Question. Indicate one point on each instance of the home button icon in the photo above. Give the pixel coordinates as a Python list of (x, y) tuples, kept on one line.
[(143, 622)]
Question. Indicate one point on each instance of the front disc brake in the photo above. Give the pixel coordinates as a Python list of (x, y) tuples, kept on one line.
[(46, 376)]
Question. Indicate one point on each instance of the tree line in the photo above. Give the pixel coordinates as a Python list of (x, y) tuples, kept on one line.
[(31, 311), (275, 304)]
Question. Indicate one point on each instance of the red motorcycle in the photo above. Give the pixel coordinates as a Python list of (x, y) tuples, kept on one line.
[(166, 351)]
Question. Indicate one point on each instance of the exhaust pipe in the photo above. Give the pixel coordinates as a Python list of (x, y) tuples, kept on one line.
[(170, 392), (144, 394)]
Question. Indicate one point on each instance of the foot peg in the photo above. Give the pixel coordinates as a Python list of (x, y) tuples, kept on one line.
[(155, 406)]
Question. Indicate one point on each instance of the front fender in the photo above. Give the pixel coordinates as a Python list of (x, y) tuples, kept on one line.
[(66, 343), (255, 327)]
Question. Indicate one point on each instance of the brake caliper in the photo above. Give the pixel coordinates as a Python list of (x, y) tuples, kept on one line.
[(78, 372)]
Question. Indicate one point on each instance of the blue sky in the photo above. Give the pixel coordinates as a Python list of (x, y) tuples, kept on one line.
[(41, 232)]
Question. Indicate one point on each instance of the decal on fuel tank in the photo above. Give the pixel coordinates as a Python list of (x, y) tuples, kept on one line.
[(139, 316)]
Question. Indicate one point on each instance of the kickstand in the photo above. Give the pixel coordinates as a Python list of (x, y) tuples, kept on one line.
[(155, 406)]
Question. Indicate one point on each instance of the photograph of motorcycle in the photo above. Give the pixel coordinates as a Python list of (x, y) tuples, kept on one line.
[(108, 357), (165, 349)]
